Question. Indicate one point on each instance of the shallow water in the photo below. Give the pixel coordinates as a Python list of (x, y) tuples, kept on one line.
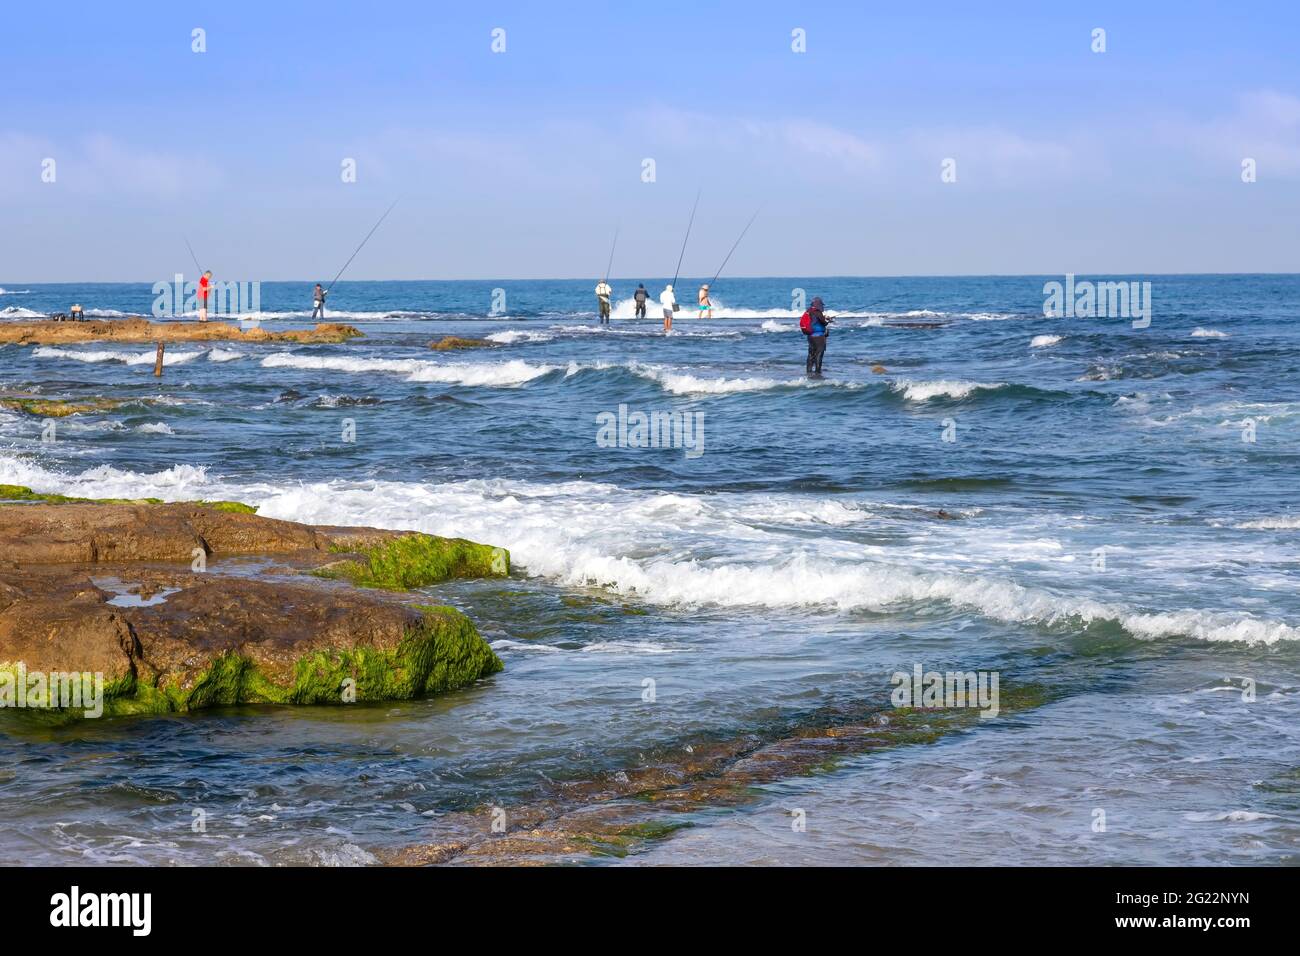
[(792, 566)]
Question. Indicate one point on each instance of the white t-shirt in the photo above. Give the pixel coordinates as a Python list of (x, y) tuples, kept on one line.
[(667, 299)]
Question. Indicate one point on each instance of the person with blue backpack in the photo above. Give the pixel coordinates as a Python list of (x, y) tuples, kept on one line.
[(817, 326)]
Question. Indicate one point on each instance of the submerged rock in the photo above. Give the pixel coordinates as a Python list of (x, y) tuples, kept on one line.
[(450, 342), (59, 408), (94, 588)]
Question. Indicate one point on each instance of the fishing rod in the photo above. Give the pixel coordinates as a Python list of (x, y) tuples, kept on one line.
[(684, 241), (610, 264), (192, 255), (360, 247), (733, 248)]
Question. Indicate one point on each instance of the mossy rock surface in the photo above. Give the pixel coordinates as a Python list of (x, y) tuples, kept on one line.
[(449, 343), (201, 634), (22, 493), (192, 653), (441, 652), (58, 408), (418, 560)]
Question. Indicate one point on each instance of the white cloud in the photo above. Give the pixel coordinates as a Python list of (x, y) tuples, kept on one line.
[(1265, 127), (100, 166)]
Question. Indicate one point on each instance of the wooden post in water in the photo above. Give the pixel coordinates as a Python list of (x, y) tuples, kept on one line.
[(158, 362)]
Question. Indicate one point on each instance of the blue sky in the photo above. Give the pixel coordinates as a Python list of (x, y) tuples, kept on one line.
[(521, 164)]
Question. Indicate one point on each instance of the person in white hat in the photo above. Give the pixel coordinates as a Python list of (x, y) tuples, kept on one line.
[(669, 301), (706, 307)]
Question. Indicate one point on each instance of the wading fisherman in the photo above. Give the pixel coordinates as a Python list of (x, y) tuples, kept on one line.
[(706, 306), (641, 295), (318, 302), (205, 286), (669, 302), (817, 327), (603, 292)]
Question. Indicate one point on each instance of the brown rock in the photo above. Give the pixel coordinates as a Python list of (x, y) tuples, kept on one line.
[(111, 589), (46, 332), (450, 342)]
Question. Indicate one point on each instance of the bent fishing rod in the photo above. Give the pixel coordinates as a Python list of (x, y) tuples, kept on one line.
[(192, 255), (610, 265), (362, 246), (684, 241), (734, 246)]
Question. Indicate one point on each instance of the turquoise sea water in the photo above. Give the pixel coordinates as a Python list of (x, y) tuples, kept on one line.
[(1109, 534)]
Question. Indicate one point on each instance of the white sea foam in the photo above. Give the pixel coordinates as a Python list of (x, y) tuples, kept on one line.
[(126, 358), (1227, 816), (924, 391), (17, 312), (15, 291), (678, 382), (224, 355), (641, 545), (513, 336), (685, 383), (489, 374), (1285, 523), (1044, 341), (505, 644), (1208, 334), (627, 647), (155, 428)]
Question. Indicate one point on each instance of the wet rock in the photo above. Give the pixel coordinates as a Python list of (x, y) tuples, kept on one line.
[(153, 597), (46, 332), (59, 408), (451, 342)]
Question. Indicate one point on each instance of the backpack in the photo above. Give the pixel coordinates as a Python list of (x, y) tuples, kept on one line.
[(805, 323)]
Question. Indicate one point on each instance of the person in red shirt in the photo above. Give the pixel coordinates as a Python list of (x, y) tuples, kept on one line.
[(205, 281)]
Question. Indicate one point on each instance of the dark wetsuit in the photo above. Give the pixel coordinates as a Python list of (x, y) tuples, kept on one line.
[(641, 296)]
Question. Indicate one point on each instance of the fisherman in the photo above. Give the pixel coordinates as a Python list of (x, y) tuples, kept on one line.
[(603, 292), (669, 302), (817, 327), (706, 306), (641, 295), (318, 302), (205, 285)]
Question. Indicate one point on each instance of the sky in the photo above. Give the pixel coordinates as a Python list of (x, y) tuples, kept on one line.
[(522, 163)]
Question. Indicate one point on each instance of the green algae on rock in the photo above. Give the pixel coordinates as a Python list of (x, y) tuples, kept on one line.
[(442, 651), (190, 637), (417, 560), (59, 408), (22, 493), (452, 342)]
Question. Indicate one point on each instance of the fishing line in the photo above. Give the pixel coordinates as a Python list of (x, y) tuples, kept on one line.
[(610, 264), (192, 255), (360, 247), (684, 241), (733, 248)]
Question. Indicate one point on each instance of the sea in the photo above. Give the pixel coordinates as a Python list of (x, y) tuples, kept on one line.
[(1099, 511)]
